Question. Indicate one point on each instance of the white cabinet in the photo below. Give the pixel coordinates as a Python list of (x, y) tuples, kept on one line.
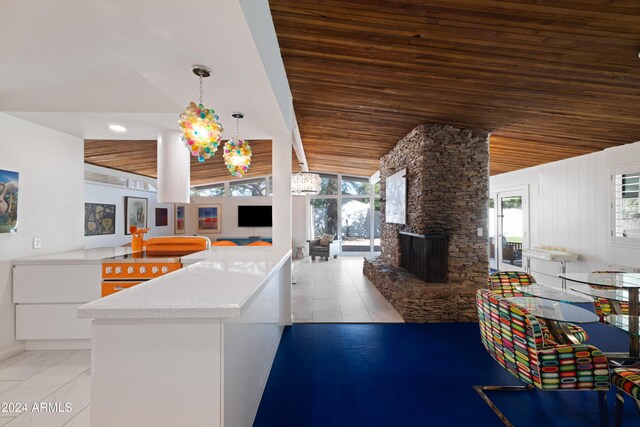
[(47, 297), (51, 322), (37, 284)]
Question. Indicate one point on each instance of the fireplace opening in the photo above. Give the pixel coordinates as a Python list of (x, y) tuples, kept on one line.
[(425, 255)]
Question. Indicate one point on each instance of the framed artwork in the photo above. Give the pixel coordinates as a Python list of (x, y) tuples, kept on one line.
[(162, 217), (135, 213), (209, 219), (99, 219), (8, 201), (396, 205), (179, 220)]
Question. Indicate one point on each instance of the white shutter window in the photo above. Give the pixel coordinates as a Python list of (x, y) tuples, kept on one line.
[(626, 206)]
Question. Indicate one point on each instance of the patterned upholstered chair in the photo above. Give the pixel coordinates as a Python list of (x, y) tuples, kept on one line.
[(603, 307), (626, 381), (513, 338), (504, 283)]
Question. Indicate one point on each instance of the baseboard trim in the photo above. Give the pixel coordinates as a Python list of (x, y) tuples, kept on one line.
[(12, 351), (57, 345)]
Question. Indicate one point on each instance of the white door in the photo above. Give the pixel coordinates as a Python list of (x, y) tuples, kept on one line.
[(508, 223)]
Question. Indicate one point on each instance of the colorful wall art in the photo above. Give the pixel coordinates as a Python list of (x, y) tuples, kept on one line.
[(8, 201), (179, 228), (396, 207), (99, 219), (209, 219), (135, 213)]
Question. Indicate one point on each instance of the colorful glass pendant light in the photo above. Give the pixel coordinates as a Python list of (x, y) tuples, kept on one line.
[(237, 152), (200, 127)]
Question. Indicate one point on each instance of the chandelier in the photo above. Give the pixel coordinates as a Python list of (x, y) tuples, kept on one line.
[(305, 183), (237, 152), (200, 127)]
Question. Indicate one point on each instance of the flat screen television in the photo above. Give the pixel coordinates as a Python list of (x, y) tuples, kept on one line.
[(254, 216)]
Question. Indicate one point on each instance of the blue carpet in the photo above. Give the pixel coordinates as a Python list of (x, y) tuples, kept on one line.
[(334, 375)]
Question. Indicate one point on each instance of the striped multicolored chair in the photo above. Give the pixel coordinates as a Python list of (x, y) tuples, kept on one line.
[(626, 381), (603, 307), (506, 283), (513, 338)]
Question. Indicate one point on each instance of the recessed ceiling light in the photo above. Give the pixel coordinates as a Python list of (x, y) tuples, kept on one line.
[(117, 128)]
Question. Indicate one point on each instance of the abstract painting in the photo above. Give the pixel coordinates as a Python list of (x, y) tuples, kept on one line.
[(99, 219), (209, 219), (162, 217), (179, 229), (8, 201), (396, 206), (135, 213)]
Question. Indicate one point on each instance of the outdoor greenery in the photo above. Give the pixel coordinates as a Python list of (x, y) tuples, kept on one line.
[(251, 188)]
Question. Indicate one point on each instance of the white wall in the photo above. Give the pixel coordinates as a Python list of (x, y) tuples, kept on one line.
[(229, 215), (569, 207), (299, 223), (104, 193), (50, 204)]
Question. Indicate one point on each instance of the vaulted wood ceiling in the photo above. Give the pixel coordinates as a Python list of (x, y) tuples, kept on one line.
[(552, 79), (139, 157)]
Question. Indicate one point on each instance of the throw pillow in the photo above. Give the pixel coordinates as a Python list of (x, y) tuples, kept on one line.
[(326, 239)]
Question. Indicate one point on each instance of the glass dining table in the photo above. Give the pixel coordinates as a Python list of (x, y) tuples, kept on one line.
[(554, 306), (619, 287), (557, 315)]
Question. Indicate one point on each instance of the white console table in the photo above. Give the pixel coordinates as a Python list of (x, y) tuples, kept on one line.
[(551, 255)]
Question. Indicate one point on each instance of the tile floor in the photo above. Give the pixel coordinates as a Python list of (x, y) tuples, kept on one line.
[(326, 292), (336, 291), (58, 376)]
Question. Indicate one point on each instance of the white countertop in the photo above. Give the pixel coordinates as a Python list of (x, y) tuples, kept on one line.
[(82, 256), (220, 284)]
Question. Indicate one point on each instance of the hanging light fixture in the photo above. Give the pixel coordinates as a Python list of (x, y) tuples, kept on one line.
[(237, 152), (305, 183), (200, 127)]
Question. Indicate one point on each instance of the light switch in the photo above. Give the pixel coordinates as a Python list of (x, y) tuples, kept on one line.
[(37, 243), (480, 232)]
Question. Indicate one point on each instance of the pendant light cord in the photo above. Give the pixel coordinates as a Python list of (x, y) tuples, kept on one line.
[(237, 128), (200, 75)]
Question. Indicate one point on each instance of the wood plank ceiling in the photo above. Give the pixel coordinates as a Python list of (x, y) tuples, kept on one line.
[(552, 79), (139, 157)]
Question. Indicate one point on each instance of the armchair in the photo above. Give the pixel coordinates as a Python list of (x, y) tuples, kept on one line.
[(513, 338), (316, 249)]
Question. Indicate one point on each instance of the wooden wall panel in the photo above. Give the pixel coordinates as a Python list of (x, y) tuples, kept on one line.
[(551, 79)]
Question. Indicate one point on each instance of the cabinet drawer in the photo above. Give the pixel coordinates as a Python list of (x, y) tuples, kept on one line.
[(109, 288), (50, 322), (56, 283)]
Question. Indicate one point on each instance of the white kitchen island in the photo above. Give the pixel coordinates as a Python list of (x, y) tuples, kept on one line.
[(194, 347)]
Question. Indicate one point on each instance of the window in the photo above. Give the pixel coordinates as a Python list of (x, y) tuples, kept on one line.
[(248, 188), (324, 216), (208, 191), (356, 225), (355, 186), (328, 184), (626, 206)]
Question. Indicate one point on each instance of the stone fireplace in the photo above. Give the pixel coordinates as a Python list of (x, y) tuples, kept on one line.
[(447, 176)]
